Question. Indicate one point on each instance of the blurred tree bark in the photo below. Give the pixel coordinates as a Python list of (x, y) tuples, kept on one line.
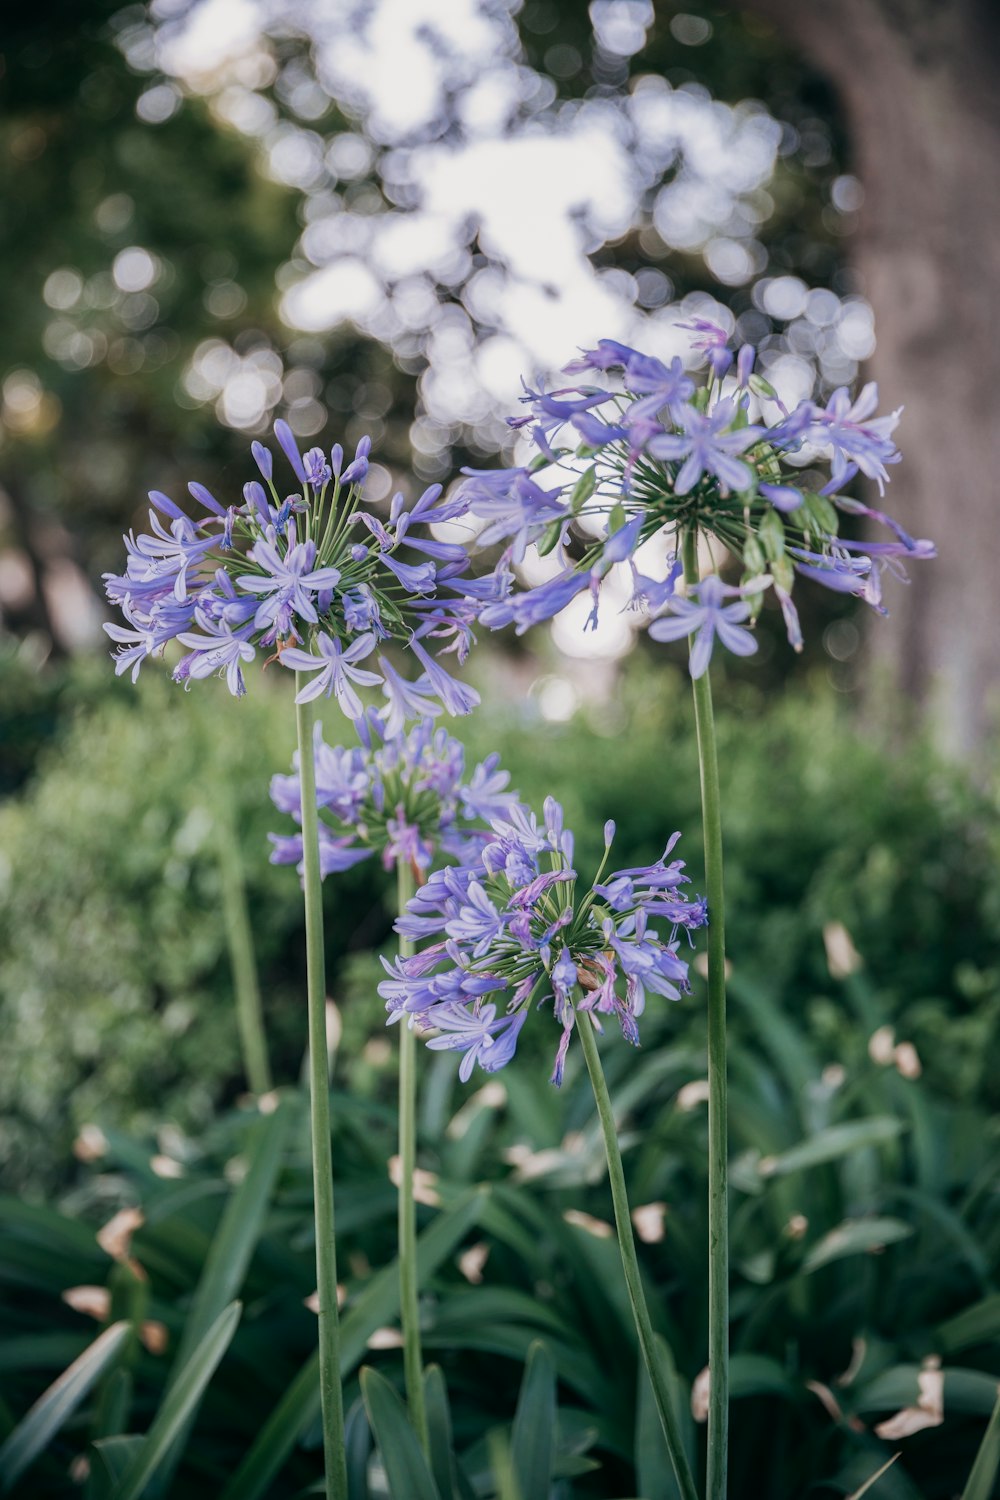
[(919, 81)]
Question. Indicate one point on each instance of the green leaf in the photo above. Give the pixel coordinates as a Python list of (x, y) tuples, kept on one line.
[(964, 1390), (229, 1256), (617, 518), (583, 489), (533, 1436), (406, 1469), (828, 1145), (178, 1406), (753, 556), (504, 1480), (979, 1485), (821, 512), (442, 1456), (115, 1454), (56, 1405), (654, 1470), (772, 534), (854, 1237), (758, 1375), (377, 1305), (978, 1324), (358, 1445), (762, 387), (876, 1476), (549, 538)]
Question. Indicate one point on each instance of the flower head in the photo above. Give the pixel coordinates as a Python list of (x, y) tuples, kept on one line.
[(402, 797), (289, 572), (664, 457), (514, 928)]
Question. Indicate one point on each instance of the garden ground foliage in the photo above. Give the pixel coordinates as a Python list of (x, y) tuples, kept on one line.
[(866, 1231)]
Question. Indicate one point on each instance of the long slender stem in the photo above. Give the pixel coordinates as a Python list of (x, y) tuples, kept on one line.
[(718, 1207), (319, 1089), (630, 1263), (407, 1214), (239, 938)]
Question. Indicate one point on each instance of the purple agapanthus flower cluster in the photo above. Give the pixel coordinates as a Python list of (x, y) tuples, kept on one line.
[(402, 796), (311, 577), (661, 455), (515, 928)]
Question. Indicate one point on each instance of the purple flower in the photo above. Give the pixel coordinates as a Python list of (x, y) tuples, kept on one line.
[(478, 923), (839, 572), (218, 650), (289, 582), (486, 796), (855, 435), (512, 506), (512, 922), (712, 341), (659, 385), (416, 578), (317, 471), (552, 410), (652, 593), (456, 697), (484, 1037), (536, 605), (708, 448), (290, 448), (263, 459), (335, 669), (608, 354), (710, 617), (783, 497), (407, 700)]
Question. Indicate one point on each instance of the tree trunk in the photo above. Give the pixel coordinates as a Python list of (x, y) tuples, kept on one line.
[(919, 81)]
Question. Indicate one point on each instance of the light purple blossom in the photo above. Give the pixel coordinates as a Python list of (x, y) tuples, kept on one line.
[(512, 921), (708, 446), (335, 670), (706, 616)]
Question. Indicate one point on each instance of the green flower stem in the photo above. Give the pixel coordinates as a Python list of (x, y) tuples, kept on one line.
[(718, 1207), (331, 1395), (630, 1264), (239, 939), (409, 1304)]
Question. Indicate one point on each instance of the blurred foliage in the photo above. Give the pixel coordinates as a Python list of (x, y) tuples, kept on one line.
[(115, 990), (866, 1242), (97, 409)]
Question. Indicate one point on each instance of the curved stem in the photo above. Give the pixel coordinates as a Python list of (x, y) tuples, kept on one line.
[(409, 1302), (630, 1263), (331, 1395), (718, 1216)]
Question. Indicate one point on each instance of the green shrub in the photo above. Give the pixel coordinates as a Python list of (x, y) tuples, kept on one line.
[(115, 992)]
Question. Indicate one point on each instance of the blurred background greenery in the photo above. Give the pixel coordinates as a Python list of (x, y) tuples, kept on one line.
[(373, 219)]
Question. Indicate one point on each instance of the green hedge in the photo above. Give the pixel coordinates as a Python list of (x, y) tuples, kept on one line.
[(115, 992)]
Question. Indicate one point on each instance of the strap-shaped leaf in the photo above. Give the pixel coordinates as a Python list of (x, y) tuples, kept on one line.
[(358, 1446), (832, 1143), (854, 1237), (979, 1485), (857, 1494), (228, 1260), (377, 1305), (533, 1439), (654, 1471), (56, 1405), (406, 1468), (178, 1406), (442, 1456)]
